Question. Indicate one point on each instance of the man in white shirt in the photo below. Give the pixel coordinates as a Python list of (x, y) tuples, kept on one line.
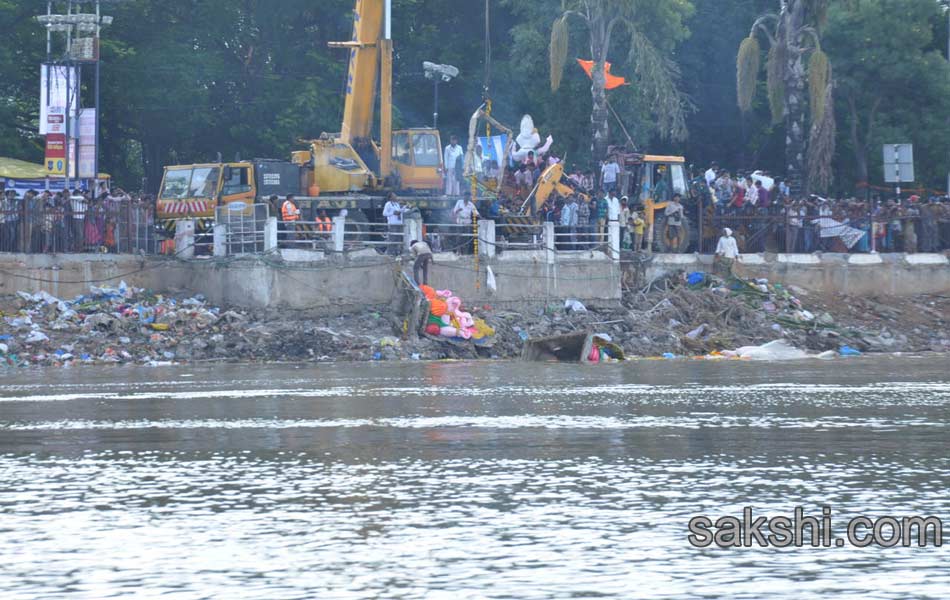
[(751, 194), (478, 163), (711, 174), (608, 174), (393, 213), (79, 204), (453, 152), (726, 253), (463, 212)]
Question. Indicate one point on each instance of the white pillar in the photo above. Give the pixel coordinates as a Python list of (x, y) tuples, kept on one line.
[(486, 237), (549, 248), (614, 232), (185, 238), (270, 234), (220, 239), (412, 230), (339, 233)]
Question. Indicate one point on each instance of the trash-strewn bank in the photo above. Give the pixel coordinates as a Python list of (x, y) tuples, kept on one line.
[(685, 315)]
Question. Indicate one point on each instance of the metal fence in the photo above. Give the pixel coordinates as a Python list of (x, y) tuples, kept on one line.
[(244, 228), (794, 232), (118, 228)]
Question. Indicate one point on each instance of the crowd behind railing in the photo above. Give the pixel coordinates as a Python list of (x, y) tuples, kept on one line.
[(771, 221), (76, 222)]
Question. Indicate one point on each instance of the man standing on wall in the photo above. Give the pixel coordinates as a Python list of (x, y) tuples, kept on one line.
[(393, 213), (453, 153)]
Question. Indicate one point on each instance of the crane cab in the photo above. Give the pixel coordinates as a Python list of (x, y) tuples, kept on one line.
[(417, 160)]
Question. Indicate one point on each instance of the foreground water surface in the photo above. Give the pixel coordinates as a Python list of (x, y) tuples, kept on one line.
[(464, 480)]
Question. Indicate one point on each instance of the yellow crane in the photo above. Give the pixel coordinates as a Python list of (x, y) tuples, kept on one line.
[(408, 160), (340, 170)]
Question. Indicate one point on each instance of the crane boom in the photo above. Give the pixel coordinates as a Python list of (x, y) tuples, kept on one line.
[(363, 75)]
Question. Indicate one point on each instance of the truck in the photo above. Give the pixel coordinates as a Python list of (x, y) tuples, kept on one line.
[(344, 170)]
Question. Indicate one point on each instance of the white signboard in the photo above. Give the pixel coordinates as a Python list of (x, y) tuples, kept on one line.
[(87, 143), (898, 163), (53, 92)]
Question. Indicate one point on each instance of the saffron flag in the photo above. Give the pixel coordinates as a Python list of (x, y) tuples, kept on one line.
[(612, 80)]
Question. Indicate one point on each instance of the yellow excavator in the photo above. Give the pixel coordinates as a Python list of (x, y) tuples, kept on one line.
[(344, 170), (647, 181)]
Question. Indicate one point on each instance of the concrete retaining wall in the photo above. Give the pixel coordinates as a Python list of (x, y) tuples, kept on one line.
[(523, 278), (852, 274), (325, 285)]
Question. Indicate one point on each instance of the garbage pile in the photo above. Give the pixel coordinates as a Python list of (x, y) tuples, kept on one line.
[(109, 326), (711, 317)]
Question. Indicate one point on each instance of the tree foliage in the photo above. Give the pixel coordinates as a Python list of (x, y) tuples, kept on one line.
[(183, 80)]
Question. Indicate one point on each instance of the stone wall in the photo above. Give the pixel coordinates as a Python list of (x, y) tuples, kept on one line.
[(852, 274), (315, 282)]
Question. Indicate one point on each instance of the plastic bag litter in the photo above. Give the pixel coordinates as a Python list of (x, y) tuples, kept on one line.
[(388, 341), (490, 280), (777, 350), (19, 322), (694, 334), (574, 306), (849, 351), (36, 336), (4, 348)]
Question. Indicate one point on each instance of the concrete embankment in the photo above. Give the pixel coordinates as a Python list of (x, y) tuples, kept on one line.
[(314, 282), (898, 275), (318, 283)]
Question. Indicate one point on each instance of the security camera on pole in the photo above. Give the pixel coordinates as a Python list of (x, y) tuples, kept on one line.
[(438, 73)]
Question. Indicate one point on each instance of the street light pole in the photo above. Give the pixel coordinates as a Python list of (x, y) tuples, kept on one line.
[(435, 114)]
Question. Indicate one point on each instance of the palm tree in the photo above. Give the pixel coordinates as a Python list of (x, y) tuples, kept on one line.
[(657, 74), (794, 33)]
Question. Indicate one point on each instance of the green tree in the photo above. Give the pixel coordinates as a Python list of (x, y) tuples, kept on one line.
[(650, 29), (888, 68), (793, 33)]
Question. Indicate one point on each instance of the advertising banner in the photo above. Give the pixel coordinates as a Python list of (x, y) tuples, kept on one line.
[(54, 93), (55, 154)]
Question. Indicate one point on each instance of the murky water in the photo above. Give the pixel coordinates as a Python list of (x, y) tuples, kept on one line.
[(464, 481)]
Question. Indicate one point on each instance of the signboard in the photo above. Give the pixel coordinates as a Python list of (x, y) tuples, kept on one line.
[(898, 163), (55, 154), (54, 96), (85, 49), (56, 120), (87, 143), (87, 162)]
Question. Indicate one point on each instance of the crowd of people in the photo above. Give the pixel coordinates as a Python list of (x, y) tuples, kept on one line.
[(40, 221), (764, 211)]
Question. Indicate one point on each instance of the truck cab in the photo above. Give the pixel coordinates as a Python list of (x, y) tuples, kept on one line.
[(194, 191)]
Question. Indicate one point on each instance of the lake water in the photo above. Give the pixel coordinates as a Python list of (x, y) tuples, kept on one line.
[(457, 480)]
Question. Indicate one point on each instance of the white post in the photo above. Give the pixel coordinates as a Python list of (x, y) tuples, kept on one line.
[(339, 231), (270, 234), (412, 230), (549, 248), (486, 237), (220, 240), (614, 232), (185, 238)]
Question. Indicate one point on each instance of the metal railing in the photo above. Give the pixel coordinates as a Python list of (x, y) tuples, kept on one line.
[(453, 237), (580, 238), (244, 227), (101, 228)]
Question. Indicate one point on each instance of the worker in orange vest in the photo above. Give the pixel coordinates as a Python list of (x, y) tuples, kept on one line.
[(290, 213), (324, 224)]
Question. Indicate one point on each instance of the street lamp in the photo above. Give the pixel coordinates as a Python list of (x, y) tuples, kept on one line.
[(438, 73)]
